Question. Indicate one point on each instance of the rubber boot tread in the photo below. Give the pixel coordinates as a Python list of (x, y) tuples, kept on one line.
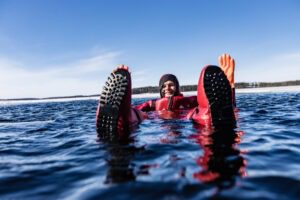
[(218, 93), (110, 101)]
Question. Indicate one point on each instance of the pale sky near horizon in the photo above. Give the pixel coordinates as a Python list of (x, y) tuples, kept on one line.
[(68, 47)]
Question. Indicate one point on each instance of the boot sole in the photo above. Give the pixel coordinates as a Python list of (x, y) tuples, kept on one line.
[(110, 101), (219, 95)]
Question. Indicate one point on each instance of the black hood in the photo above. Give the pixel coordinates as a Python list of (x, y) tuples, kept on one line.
[(169, 77)]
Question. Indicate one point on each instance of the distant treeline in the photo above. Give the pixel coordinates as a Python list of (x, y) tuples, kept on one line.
[(265, 84), (186, 88), (151, 89)]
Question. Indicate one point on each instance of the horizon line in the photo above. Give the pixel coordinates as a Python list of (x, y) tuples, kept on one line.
[(97, 95)]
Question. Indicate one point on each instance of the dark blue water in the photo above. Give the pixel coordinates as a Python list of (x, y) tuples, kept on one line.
[(51, 150)]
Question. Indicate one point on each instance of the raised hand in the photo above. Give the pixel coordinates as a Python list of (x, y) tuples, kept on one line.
[(227, 64)]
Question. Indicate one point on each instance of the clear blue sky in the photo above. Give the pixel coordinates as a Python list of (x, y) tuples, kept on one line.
[(68, 47)]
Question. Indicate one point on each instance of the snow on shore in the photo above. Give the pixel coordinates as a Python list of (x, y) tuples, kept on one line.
[(238, 91), (270, 89), (156, 95)]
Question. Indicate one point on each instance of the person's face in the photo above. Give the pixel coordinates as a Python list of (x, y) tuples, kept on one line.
[(168, 88)]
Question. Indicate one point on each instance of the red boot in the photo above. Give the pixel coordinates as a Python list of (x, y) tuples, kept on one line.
[(115, 116), (214, 98)]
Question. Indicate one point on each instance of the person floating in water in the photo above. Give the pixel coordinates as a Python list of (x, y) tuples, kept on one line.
[(171, 99), (213, 106)]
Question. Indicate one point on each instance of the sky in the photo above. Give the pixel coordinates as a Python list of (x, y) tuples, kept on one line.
[(68, 47)]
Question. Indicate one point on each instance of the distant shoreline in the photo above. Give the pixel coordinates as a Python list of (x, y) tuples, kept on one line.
[(280, 89), (49, 98)]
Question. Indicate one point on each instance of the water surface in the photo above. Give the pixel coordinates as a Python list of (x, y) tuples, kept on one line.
[(50, 150)]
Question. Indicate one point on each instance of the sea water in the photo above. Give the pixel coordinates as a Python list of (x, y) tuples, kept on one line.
[(50, 150)]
